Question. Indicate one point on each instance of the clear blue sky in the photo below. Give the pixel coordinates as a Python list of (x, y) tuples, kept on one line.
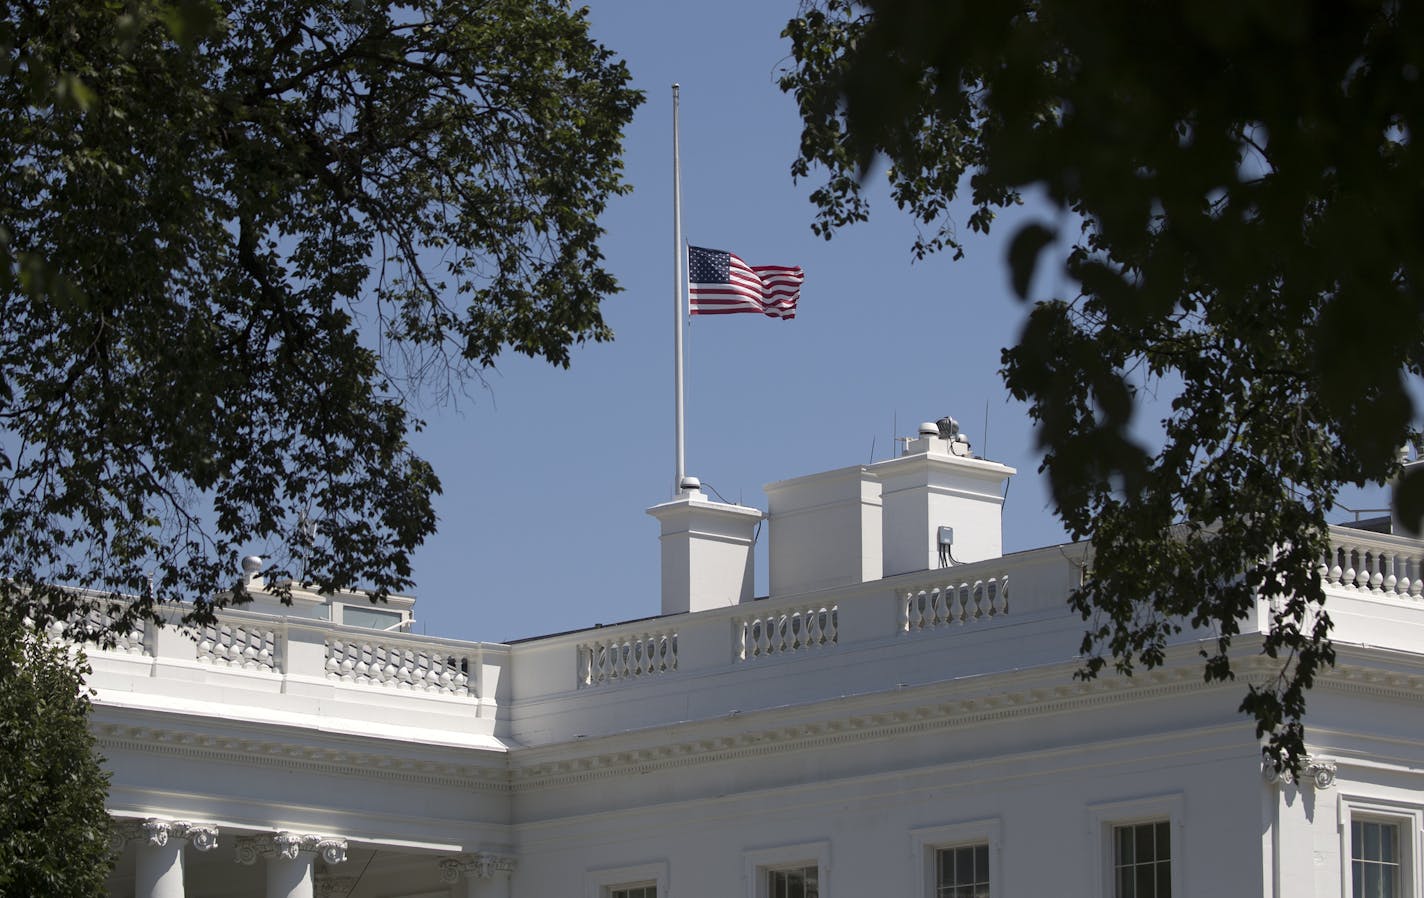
[(548, 472)]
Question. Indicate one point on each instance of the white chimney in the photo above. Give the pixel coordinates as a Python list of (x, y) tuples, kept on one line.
[(824, 530), (706, 552), (938, 483)]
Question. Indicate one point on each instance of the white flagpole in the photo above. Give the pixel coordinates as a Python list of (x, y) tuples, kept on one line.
[(679, 297)]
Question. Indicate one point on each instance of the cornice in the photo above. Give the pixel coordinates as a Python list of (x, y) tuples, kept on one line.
[(1372, 681), (940, 707), (861, 726), (289, 754)]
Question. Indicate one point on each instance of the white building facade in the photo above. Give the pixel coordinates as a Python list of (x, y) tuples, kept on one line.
[(898, 718)]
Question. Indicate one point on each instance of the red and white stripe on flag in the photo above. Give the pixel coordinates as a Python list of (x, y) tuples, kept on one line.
[(720, 283)]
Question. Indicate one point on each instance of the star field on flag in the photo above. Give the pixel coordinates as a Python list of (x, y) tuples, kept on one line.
[(720, 283)]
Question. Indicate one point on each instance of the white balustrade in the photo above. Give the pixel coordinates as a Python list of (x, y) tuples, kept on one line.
[(99, 619), (787, 630), (626, 657), (955, 603), (1373, 567), (399, 664), (230, 644), (132, 642)]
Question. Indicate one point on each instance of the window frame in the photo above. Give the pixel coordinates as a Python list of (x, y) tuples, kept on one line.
[(602, 882), (1105, 817), (756, 863), (927, 841), (1410, 820)]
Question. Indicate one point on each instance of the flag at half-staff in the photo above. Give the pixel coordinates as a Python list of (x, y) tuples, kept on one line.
[(720, 283)]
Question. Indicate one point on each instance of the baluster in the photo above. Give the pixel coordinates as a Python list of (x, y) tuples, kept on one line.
[(1335, 571), (1389, 580), (1347, 578), (905, 613), (956, 608)]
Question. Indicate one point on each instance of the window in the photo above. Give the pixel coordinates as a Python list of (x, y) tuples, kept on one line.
[(637, 881), (374, 618), (958, 860), (1374, 859), (1142, 860), (962, 871), (1141, 846), (791, 871), (798, 882), (1380, 847)]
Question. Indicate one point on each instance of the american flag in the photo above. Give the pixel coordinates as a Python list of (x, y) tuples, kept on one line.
[(720, 283)]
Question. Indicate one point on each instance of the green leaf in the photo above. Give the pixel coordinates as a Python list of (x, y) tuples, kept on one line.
[(1408, 500), (1023, 255)]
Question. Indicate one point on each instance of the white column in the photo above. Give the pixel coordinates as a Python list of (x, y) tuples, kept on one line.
[(158, 864), (289, 859), (478, 875)]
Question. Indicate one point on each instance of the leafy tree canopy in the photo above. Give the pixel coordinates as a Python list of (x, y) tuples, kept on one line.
[(1236, 189), (234, 234), (54, 831)]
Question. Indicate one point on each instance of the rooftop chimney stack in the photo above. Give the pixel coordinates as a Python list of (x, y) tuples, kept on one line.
[(825, 530), (938, 483), (706, 551)]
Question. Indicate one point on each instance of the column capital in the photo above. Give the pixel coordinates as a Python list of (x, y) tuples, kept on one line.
[(157, 831), (288, 845), (481, 865), (1316, 770)]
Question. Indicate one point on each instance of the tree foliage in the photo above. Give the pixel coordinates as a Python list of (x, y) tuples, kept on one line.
[(54, 831), (1236, 222), (235, 235)]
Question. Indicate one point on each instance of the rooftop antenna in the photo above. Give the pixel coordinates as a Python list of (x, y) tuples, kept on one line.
[(984, 445)]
